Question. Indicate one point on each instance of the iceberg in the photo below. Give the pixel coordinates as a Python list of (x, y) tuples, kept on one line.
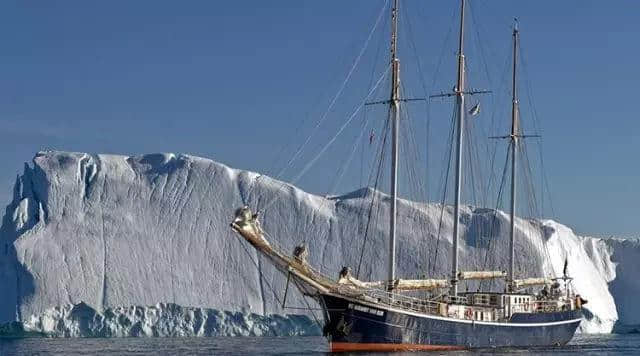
[(99, 234)]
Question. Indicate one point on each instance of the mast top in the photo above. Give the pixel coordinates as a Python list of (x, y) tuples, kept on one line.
[(394, 31), (460, 83), (395, 75)]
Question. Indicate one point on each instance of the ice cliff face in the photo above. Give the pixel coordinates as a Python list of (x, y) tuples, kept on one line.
[(626, 285), (114, 231)]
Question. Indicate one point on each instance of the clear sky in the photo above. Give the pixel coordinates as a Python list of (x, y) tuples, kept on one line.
[(242, 82)]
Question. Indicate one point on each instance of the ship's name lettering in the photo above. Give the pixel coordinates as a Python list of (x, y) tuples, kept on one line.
[(364, 309)]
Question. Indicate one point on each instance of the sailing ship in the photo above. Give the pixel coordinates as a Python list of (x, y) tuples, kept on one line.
[(383, 316)]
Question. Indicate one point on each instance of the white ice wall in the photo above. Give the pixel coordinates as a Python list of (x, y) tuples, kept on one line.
[(626, 286), (116, 231)]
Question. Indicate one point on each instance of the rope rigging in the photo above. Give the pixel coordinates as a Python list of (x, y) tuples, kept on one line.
[(338, 94), (444, 179), (341, 171), (326, 146), (476, 188), (275, 295), (487, 252), (333, 101), (531, 227), (536, 126), (378, 174)]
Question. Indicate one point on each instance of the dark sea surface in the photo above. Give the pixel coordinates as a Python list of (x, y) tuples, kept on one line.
[(610, 344)]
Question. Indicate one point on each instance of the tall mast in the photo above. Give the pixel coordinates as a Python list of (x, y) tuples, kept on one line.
[(514, 144), (394, 113), (459, 91)]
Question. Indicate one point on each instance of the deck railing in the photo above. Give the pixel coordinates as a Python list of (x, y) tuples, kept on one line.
[(402, 301), (432, 307)]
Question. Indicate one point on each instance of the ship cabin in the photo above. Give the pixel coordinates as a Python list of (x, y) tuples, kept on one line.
[(496, 306)]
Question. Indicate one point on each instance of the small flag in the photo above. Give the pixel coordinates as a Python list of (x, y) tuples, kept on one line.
[(475, 110)]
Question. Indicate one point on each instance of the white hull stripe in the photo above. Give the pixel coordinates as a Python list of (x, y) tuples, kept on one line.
[(454, 320)]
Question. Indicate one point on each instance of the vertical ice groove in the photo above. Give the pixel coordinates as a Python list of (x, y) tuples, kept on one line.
[(261, 278), (18, 298), (178, 201), (195, 218), (103, 300), (326, 242), (69, 277)]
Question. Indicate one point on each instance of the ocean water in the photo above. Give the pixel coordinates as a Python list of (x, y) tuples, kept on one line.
[(610, 344)]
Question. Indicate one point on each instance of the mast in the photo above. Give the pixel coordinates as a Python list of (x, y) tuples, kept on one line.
[(394, 113), (459, 91), (514, 144)]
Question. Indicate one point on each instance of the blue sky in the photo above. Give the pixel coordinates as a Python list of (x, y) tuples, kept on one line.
[(242, 82)]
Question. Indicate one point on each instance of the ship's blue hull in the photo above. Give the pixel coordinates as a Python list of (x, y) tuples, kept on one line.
[(352, 326)]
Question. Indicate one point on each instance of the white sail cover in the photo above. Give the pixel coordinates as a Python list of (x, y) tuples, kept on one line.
[(348, 279), (519, 283), (420, 284), (481, 274), (399, 284)]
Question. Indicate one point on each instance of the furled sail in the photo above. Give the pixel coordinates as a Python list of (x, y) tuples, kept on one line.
[(481, 274), (519, 283), (420, 284), (346, 278)]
